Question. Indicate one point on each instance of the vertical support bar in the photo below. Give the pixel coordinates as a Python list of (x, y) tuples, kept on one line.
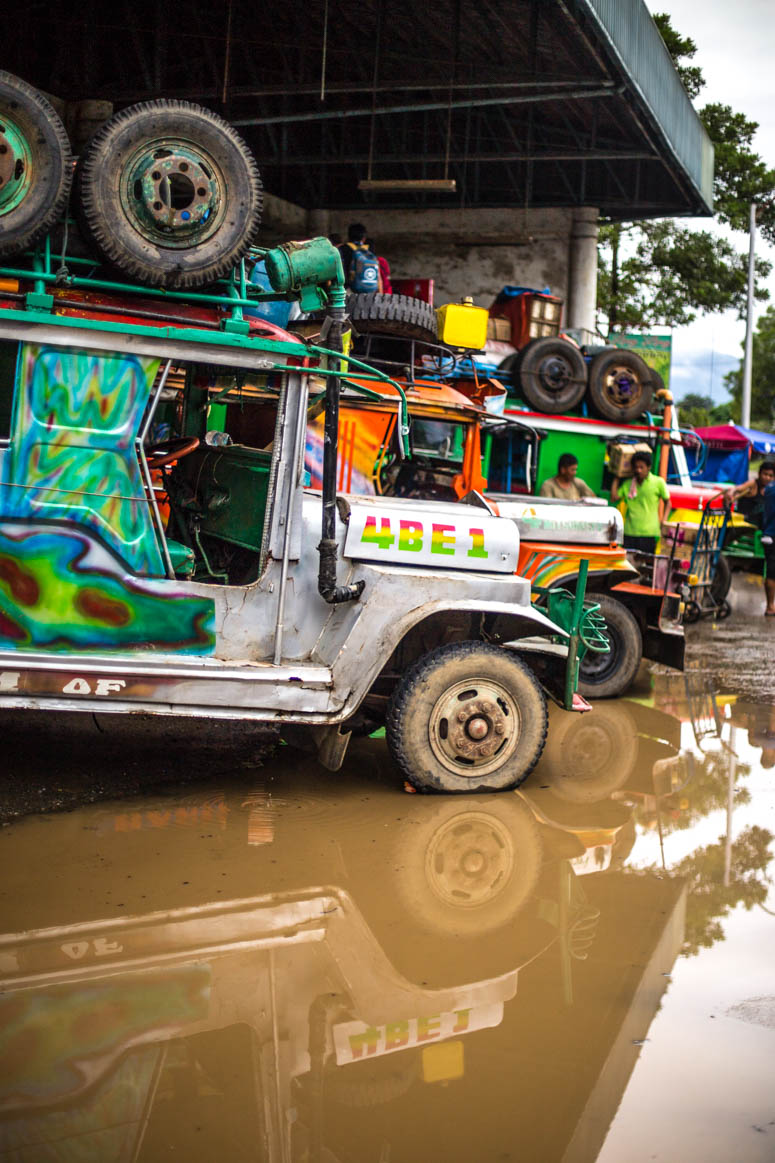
[(295, 462), (140, 441), (572, 666)]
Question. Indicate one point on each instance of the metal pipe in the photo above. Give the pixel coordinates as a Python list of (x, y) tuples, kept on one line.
[(327, 587), (745, 410), (607, 89)]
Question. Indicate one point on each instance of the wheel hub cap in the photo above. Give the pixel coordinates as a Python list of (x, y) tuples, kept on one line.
[(15, 166), (623, 387), (474, 727), (173, 194)]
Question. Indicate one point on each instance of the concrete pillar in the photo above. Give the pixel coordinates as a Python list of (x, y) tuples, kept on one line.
[(582, 270)]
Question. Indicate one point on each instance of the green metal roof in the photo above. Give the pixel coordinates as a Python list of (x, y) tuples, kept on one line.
[(628, 32)]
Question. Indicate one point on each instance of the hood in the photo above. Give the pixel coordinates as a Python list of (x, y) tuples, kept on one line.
[(542, 519), (430, 533)]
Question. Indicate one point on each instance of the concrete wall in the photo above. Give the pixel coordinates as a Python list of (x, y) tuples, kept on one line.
[(470, 252)]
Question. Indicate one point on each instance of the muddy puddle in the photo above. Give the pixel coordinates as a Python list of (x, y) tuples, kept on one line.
[(270, 962)]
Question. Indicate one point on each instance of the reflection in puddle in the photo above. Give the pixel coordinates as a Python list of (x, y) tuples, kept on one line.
[(319, 969)]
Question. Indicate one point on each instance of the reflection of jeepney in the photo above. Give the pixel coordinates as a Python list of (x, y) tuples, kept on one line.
[(293, 1020)]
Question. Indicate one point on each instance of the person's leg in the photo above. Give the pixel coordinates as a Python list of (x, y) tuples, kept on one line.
[(641, 544), (769, 582)]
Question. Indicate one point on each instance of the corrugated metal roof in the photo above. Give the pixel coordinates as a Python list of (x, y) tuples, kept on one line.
[(632, 36)]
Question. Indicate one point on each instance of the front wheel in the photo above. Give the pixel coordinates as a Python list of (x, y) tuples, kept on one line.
[(467, 717)]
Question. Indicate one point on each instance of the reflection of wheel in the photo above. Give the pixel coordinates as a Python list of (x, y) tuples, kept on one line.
[(588, 757), (468, 871), (35, 166), (370, 1083), (692, 613), (723, 611), (467, 717), (166, 451), (601, 676), (169, 193), (393, 315), (552, 374), (619, 385)]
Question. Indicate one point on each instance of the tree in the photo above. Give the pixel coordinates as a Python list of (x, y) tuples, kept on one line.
[(657, 272), (695, 410), (762, 376)]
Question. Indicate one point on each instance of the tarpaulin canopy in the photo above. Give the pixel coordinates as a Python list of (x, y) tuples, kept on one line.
[(730, 447)]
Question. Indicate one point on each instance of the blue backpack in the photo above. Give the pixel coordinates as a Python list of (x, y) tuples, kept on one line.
[(364, 270)]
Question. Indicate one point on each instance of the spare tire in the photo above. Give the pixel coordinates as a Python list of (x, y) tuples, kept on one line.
[(169, 194), (620, 385), (551, 374), (36, 168), (393, 315)]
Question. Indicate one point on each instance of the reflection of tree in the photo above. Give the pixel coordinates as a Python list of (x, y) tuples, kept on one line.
[(704, 793), (710, 899)]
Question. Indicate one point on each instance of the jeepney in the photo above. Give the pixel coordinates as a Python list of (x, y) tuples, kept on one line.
[(154, 561), (461, 451)]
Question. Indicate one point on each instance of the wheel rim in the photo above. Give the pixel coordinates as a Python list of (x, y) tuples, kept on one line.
[(16, 170), (172, 192), (595, 666), (470, 860), (622, 386), (555, 374), (474, 727)]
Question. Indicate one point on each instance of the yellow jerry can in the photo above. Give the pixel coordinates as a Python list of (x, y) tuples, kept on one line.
[(462, 324)]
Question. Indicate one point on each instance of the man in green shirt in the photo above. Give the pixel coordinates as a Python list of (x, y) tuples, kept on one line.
[(566, 486), (647, 504)]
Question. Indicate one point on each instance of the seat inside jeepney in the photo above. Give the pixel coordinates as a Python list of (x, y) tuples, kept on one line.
[(216, 494)]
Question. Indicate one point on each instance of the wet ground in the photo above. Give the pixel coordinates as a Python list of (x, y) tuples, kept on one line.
[(209, 950)]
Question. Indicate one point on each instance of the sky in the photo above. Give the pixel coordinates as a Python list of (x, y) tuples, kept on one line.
[(736, 52)]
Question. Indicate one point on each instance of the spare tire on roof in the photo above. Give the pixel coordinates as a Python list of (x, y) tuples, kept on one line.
[(620, 385), (169, 194), (36, 168), (393, 315), (551, 374)]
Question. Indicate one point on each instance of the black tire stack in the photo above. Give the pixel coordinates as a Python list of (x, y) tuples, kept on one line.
[(166, 193)]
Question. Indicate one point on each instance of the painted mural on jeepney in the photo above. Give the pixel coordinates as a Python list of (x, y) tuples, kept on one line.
[(542, 567), (61, 590), (72, 454)]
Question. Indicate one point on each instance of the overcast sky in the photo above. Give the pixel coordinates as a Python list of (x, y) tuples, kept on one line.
[(736, 52)]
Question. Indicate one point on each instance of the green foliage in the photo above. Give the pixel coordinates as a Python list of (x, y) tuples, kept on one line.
[(661, 273), (681, 48), (694, 410), (657, 273), (762, 375)]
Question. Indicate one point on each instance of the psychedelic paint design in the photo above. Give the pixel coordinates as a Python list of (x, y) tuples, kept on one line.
[(547, 568), (72, 454), (61, 590)]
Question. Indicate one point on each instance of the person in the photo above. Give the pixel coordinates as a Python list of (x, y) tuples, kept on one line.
[(360, 265), (384, 268), (566, 485), (748, 498), (646, 501), (768, 540)]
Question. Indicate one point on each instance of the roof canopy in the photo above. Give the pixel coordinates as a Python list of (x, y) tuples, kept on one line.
[(731, 436), (530, 103)]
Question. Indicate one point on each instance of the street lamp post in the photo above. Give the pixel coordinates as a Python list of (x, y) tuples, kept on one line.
[(745, 411)]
